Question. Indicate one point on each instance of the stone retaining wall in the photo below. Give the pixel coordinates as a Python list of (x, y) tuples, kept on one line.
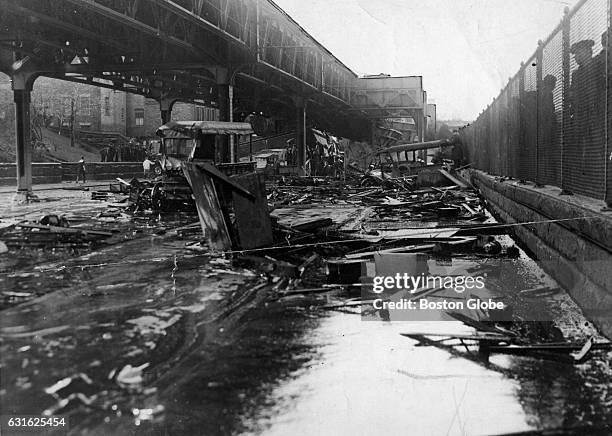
[(57, 172), (577, 253)]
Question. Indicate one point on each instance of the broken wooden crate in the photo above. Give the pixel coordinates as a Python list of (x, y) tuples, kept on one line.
[(219, 198)]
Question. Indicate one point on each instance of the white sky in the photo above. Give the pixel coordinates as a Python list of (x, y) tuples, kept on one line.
[(465, 49)]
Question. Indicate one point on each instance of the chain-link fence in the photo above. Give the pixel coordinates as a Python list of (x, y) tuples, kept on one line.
[(551, 123)]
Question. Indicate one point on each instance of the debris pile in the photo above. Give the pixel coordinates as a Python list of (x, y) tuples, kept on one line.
[(331, 238), (328, 239), (50, 232)]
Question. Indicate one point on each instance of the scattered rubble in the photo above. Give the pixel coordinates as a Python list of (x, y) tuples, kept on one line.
[(319, 236)]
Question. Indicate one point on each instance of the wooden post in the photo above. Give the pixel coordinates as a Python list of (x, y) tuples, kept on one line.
[(251, 147)]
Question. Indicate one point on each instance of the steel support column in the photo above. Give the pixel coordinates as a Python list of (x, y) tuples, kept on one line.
[(300, 131), (224, 100), (165, 108), (22, 87)]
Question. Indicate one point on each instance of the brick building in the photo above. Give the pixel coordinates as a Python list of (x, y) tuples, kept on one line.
[(106, 110)]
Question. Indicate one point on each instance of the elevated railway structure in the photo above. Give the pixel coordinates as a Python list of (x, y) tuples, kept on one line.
[(238, 55)]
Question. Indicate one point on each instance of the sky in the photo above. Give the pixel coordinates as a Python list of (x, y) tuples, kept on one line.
[(466, 50)]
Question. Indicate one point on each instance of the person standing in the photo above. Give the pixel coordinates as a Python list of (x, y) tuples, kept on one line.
[(146, 166), (583, 107), (81, 170)]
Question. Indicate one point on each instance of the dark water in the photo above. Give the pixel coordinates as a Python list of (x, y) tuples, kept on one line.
[(212, 350)]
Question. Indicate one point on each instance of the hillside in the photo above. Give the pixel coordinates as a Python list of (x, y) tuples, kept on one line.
[(60, 149)]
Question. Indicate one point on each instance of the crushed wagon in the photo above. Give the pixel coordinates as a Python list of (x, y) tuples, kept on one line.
[(182, 142)]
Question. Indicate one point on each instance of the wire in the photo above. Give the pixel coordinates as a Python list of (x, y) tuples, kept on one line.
[(441, 229)]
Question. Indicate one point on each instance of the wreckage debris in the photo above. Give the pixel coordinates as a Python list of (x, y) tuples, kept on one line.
[(50, 232), (486, 344), (323, 237)]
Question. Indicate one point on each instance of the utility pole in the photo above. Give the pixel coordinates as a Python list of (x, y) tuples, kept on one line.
[(72, 122)]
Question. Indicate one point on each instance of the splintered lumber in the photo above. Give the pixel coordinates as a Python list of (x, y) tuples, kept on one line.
[(310, 224), (213, 224), (123, 182), (483, 229), (310, 290), (491, 337), (538, 292), (493, 343), (474, 323), (68, 230), (469, 209), (561, 347), (452, 178), (553, 351), (214, 172), (406, 249), (349, 304), (415, 146), (307, 263), (252, 217)]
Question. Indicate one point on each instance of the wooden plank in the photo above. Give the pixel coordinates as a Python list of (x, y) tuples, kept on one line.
[(310, 291), (494, 337), (70, 230), (310, 224), (452, 178), (214, 172), (406, 249), (252, 216), (478, 325), (213, 225)]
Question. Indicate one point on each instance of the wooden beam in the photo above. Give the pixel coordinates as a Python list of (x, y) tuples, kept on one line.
[(213, 171)]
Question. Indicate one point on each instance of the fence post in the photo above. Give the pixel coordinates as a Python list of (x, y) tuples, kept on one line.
[(539, 60), (566, 86), (489, 118), (608, 127), (522, 128)]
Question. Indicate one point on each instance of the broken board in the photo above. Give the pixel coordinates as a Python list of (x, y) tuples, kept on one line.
[(452, 178), (252, 216), (209, 210)]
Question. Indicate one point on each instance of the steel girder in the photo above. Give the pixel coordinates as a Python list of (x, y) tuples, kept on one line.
[(129, 43)]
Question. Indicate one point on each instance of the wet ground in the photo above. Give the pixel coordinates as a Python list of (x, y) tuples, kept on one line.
[(148, 336)]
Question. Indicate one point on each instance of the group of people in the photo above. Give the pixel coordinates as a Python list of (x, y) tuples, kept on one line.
[(130, 152), (587, 99), (451, 149), (323, 157), (584, 119)]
